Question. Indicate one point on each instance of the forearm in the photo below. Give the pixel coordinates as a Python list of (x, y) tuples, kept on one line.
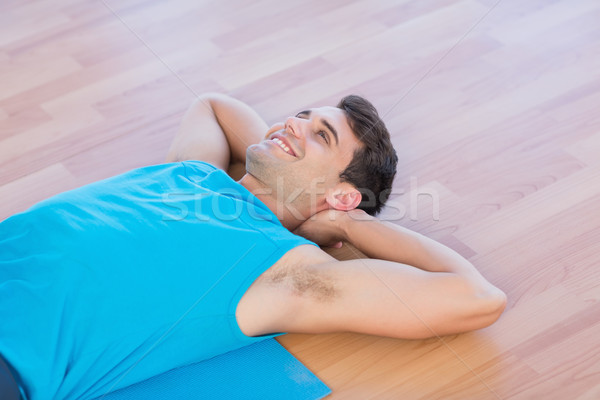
[(217, 129), (240, 124), (386, 241)]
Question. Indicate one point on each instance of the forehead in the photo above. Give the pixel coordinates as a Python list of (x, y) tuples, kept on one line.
[(337, 118), (332, 114)]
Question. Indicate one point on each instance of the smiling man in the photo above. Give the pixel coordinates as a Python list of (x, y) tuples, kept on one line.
[(120, 280), (310, 165)]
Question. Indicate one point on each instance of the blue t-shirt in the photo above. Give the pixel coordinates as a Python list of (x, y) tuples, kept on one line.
[(123, 279)]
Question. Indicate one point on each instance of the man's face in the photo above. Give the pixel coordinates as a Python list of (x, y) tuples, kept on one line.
[(303, 157)]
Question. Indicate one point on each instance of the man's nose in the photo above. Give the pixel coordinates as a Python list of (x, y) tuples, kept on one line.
[(294, 126)]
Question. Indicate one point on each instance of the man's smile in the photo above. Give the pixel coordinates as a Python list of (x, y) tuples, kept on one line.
[(284, 144)]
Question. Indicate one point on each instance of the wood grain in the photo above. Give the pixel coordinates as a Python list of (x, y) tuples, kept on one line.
[(493, 108)]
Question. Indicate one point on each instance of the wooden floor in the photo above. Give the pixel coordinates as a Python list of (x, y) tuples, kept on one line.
[(495, 112)]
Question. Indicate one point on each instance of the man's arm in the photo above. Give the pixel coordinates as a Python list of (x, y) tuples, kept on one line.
[(217, 129), (413, 287)]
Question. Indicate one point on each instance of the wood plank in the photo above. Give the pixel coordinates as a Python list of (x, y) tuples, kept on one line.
[(517, 216), (34, 188), (498, 141)]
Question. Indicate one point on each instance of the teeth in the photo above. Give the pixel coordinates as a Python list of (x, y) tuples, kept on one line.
[(282, 145)]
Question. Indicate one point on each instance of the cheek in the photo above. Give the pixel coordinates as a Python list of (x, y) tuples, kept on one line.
[(324, 165), (341, 159), (327, 162), (345, 158)]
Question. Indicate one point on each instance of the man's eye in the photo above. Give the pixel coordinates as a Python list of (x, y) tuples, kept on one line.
[(323, 135)]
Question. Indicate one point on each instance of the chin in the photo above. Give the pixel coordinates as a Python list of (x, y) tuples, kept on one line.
[(258, 166)]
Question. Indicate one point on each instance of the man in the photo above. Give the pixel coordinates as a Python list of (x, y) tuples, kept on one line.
[(120, 280)]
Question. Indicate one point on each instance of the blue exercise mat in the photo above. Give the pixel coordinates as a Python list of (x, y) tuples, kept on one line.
[(264, 370)]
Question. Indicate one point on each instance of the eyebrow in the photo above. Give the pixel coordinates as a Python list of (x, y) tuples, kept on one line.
[(324, 122)]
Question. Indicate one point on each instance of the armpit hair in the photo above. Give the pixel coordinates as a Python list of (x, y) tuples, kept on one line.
[(303, 281)]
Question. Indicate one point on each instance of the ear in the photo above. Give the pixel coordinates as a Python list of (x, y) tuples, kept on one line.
[(274, 128), (343, 197)]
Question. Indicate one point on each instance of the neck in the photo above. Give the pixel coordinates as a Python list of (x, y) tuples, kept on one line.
[(289, 215)]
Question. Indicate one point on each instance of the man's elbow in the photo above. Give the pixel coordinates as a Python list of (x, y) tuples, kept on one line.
[(492, 304), (479, 308)]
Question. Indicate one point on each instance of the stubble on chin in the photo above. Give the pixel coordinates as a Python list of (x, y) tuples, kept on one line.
[(286, 182), (257, 165)]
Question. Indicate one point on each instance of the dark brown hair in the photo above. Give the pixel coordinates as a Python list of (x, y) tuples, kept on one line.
[(373, 166)]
